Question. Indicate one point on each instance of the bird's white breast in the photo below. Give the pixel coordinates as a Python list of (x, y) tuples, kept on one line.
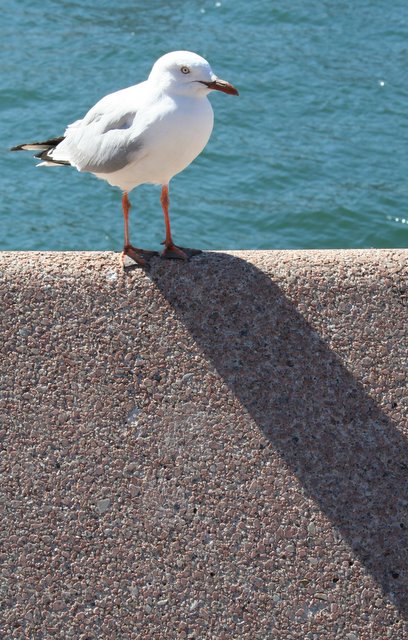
[(173, 131)]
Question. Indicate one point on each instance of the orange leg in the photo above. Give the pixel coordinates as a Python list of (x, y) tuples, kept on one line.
[(140, 256), (126, 207), (170, 249)]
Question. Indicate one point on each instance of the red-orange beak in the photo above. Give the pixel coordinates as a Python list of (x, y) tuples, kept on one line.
[(221, 85)]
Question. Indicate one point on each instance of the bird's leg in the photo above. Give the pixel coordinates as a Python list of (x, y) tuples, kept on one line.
[(170, 249), (140, 256), (126, 207)]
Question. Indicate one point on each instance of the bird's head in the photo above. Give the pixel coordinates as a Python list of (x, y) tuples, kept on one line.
[(186, 73)]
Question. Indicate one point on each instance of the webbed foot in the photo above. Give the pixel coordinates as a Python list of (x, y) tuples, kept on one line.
[(172, 252), (141, 257)]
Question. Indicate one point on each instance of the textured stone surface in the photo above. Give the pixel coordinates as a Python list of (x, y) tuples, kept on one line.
[(212, 450)]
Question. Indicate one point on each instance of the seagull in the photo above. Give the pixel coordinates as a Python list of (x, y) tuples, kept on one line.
[(146, 133)]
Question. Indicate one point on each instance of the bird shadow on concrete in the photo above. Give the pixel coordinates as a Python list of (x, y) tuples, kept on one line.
[(348, 455)]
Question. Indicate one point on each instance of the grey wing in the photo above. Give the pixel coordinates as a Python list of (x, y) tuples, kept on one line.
[(101, 142)]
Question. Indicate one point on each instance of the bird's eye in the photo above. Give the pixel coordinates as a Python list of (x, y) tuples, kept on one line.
[(185, 70)]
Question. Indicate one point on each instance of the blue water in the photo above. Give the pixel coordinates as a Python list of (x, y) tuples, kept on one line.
[(313, 154)]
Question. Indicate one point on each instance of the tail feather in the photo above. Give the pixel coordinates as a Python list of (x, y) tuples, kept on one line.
[(47, 159), (44, 148)]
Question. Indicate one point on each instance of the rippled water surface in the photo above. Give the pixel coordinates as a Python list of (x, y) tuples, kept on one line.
[(313, 154)]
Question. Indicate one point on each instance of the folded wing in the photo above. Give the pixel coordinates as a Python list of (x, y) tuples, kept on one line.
[(104, 141)]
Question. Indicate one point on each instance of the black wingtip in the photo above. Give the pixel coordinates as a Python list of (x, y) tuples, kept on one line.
[(38, 146)]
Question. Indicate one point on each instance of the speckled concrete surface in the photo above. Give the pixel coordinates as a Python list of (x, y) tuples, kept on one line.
[(212, 450)]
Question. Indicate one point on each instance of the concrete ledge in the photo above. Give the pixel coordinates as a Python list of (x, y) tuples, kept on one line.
[(212, 450)]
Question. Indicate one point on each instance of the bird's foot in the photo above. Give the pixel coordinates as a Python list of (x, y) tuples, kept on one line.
[(139, 256), (172, 252)]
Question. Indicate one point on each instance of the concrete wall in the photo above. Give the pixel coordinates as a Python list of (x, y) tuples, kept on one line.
[(215, 449)]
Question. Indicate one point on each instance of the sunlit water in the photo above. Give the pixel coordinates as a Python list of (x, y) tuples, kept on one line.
[(313, 154)]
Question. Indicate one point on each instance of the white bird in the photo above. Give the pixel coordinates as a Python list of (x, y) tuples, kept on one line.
[(146, 133)]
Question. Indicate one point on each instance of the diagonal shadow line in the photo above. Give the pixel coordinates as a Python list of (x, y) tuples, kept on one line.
[(349, 456)]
